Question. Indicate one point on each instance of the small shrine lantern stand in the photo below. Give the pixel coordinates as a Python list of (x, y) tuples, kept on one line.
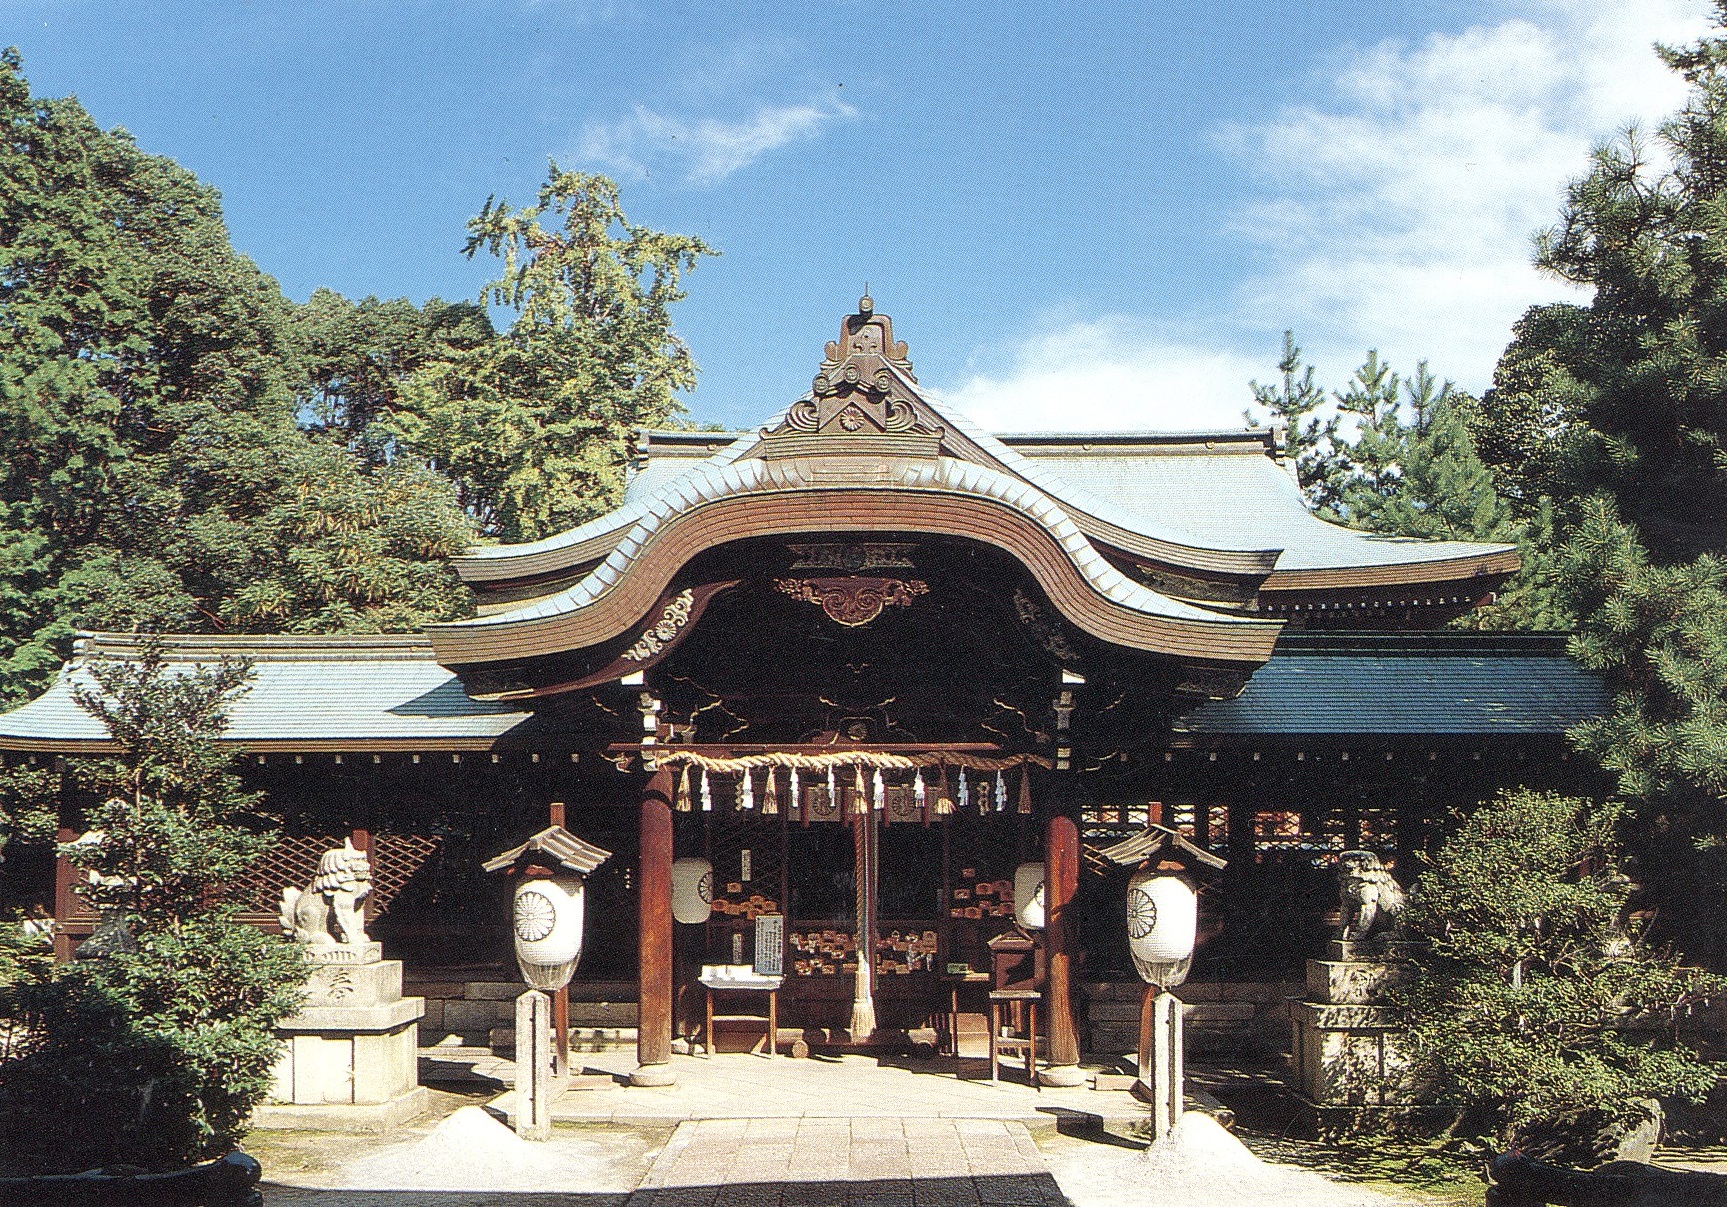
[(552, 854), (1161, 940)]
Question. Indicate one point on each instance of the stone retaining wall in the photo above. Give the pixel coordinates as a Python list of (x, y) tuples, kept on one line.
[(1223, 1017), (471, 1009)]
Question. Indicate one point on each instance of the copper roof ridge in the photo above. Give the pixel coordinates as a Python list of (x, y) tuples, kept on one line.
[(264, 647)]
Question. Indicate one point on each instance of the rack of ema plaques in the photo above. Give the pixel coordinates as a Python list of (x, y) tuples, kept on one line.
[(349, 1058)]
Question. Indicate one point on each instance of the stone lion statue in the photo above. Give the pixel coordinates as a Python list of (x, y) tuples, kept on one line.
[(327, 912), (1371, 898)]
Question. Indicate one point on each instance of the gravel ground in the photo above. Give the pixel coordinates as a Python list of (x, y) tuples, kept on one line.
[(1199, 1163), (460, 1156), (463, 1157)]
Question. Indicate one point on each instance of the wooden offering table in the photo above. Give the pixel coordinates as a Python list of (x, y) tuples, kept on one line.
[(719, 979)]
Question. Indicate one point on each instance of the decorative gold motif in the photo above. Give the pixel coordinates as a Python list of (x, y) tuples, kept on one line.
[(1049, 636), (853, 558), (675, 617), (853, 601)]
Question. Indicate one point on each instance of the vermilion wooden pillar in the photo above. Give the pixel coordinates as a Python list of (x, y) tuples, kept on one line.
[(654, 889), (1061, 880)]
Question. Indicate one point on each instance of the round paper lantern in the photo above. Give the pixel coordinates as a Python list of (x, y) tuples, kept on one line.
[(1028, 895), (548, 926), (1162, 916), (692, 890)]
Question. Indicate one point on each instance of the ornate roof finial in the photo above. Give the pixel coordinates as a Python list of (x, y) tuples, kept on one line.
[(865, 386)]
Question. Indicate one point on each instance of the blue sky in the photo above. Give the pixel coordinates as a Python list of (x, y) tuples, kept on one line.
[(1086, 215)]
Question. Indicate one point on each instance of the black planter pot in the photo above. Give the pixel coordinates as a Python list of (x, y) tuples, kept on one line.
[(230, 1182)]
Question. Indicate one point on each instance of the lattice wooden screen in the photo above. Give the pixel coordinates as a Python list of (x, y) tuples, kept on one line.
[(734, 833), (294, 860), (1103, 826)]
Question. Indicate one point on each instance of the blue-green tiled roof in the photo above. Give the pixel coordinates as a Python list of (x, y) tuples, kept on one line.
[(327, 692), (1410, 683)]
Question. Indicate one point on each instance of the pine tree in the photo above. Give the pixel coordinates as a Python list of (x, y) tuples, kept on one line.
[(1617, 410), (1396, 455), (152, 379), (1534, 993)]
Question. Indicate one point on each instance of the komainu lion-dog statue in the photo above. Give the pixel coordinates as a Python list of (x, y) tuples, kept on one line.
[(1370, 898), (327, 913)]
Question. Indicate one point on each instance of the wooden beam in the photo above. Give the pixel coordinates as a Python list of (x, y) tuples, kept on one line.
[(1061, 879), (654, 892)]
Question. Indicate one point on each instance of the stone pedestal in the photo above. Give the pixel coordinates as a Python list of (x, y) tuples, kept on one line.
[(1345, 1039), (533, 1117), (350, 1056)]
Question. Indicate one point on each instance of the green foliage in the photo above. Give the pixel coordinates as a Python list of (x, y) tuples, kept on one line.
[(1614, 415), (175, 823), (29, 801), (535, 427), (1660, 633), (1396, 455), (358, 355), (151, 383), (26, 956), (1627, 397), (1534, 994), (1301, 406), (154, 1056)]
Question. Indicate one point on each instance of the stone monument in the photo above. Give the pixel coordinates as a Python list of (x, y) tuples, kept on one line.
[(350, 1057), (1345, 1037)]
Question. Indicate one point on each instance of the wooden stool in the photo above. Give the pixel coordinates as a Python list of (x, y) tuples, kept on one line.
[(1016, 1044)]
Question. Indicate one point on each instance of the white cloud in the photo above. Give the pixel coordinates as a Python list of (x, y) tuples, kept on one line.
[(1109, 374), (1397, 211), (706, 150)]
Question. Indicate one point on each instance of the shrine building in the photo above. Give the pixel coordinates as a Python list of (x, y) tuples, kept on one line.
[(870, 662)]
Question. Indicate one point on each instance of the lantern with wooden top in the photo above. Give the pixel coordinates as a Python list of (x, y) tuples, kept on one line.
[(552, 867), (1162, 927)]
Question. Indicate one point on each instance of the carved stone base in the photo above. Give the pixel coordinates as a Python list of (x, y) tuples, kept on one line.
[(344, 953), (1348, 1055), (354, 1044)]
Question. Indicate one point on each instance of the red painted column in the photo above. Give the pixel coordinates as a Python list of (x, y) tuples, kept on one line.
[(1061, 881), (654, 889)]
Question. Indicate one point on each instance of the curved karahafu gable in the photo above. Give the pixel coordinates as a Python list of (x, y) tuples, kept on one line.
[(805, 494), (865, 452)]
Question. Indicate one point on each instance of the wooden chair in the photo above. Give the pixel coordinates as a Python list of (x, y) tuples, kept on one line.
[(1017, 1036)]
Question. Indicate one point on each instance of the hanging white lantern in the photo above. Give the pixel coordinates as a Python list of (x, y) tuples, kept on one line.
[(1162, 918), (1028, 895), (548, 926), (692, 890)]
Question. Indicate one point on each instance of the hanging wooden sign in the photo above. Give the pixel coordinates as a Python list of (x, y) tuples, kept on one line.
[(770, 945)]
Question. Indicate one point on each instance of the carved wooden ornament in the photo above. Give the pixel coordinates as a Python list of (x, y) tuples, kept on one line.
[(854, 600)]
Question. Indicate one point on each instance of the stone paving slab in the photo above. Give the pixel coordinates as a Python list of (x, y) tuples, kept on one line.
[(890, 1092), (862, 1162)]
